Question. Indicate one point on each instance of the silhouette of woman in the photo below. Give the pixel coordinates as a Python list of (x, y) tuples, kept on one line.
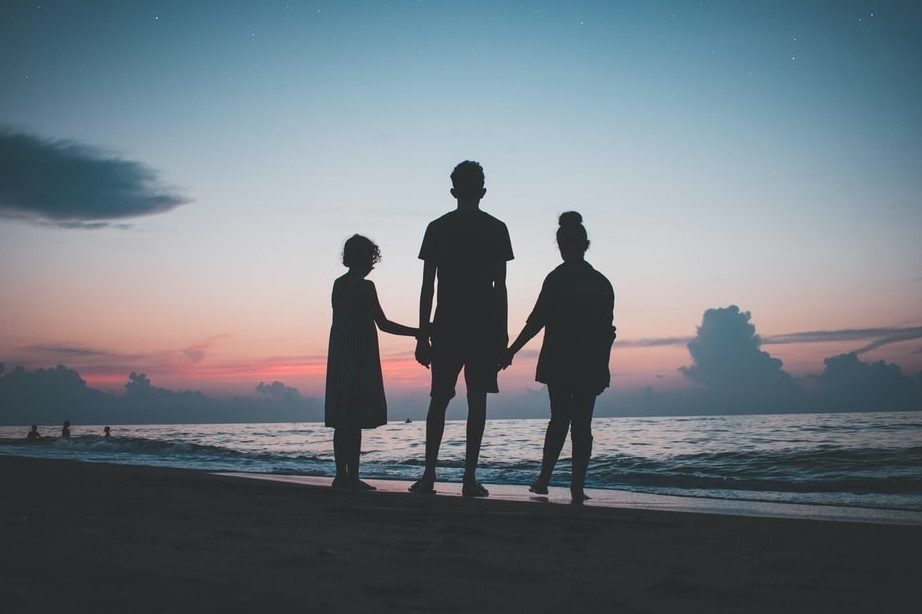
[(575, 308), (354, 385)]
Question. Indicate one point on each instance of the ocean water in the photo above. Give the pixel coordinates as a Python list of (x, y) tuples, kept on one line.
[(861, 460)]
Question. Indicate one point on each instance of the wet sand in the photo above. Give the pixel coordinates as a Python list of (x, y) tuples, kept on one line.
[(621, 499), (86, 537)]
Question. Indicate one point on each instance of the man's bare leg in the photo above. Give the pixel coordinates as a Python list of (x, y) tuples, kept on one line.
[(476, 422), (435, 428)]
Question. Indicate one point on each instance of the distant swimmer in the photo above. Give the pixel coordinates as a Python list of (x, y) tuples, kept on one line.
[(65, 430), (34, 434), (108, 434)]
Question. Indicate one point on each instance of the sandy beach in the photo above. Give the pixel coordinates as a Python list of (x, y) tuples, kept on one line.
[(78, 537)]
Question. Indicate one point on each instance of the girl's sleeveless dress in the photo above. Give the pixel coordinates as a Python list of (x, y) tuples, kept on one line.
[(354, 385)]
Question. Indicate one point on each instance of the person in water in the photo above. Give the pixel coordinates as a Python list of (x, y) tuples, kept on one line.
[(576, 310), (65, 430), (354, 383), (34, 434)]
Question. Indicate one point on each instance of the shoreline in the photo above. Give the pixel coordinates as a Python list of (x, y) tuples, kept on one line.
[(79, 536), (628, 500), (600, 497)]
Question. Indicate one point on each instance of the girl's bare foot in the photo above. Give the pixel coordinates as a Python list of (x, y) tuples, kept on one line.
[(538, 487)]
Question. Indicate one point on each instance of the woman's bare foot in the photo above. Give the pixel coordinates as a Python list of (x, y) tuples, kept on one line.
[(538, 487), (578, 496)]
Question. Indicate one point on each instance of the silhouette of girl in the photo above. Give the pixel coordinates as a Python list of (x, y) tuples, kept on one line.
[(575, 308), (354, 386)]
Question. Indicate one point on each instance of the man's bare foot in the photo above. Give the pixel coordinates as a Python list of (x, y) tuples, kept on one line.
[(425, 486)]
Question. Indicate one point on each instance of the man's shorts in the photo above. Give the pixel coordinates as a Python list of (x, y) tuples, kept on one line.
[(475, 351)]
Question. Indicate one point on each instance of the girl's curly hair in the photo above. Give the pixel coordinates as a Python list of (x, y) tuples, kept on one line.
[(359, 251)]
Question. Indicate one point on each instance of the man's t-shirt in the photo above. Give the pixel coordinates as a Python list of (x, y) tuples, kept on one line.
[(466, 247)]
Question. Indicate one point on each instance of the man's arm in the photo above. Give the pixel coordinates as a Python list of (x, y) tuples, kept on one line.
[(502, 305), (426, 295)]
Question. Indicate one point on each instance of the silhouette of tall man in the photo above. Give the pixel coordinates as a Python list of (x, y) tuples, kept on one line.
[(466, 250)]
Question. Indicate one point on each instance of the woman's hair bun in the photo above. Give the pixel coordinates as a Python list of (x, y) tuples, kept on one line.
[(570, 217)]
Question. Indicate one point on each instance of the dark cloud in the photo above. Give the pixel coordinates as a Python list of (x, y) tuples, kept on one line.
[(98, 361), (277, 391), (849, 384), (70, 185), (875, 337), (736, 376), (872, 338), (46, 396), (653, 343), (898, 337), (733, 375), (726, 353), (196, 352), (139, 386), (50, 352), (50, 396), (729, 364)]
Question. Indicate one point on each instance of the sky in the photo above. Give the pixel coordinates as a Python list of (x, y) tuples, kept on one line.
[(177, 180)]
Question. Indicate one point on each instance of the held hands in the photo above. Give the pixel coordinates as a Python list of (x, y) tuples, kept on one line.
[(505, 358), (423, 352)]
